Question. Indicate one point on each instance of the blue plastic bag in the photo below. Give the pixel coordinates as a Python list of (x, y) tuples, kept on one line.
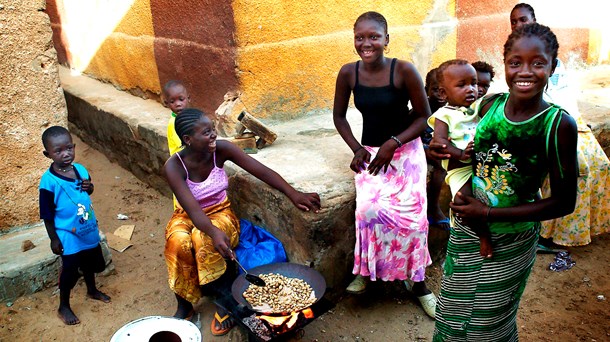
[(258, 247)]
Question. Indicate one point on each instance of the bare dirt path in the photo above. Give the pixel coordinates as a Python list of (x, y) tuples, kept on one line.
[(556, 306)]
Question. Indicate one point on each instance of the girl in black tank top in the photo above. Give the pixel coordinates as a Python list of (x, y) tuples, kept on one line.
[(382, 89), (384, 110), (391, 206)]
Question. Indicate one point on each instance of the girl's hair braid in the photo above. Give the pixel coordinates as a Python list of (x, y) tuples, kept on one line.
[(186, 121), (374, 16), (445, 65), (526, 6), (544, 33)]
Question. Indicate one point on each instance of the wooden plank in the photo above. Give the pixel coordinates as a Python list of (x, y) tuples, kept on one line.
[(257, 127), (245, 142)]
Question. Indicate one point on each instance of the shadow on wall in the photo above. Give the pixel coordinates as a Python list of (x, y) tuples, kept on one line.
[(138, 45)]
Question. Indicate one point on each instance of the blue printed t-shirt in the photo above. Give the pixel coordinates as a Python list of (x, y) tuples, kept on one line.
[(63, 201)]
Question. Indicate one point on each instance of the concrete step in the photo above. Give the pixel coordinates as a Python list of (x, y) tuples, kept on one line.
[(23, 273)]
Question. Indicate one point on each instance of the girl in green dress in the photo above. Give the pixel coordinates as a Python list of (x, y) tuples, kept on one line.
[(520, 140)]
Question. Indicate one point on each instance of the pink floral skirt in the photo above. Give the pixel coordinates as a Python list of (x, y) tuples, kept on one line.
[(391, 222)]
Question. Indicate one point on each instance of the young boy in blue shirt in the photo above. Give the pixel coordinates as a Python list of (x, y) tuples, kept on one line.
[(65, 207)]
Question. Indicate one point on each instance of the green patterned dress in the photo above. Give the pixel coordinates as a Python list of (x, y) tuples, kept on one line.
[(480, 297)]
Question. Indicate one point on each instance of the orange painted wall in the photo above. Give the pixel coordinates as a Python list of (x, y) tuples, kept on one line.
[(289, 53), (283, 56)]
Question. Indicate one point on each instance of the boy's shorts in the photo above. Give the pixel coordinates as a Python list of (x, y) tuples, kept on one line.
[(88, 261)]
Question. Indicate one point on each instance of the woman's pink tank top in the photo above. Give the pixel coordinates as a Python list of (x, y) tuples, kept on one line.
[(212, 190)]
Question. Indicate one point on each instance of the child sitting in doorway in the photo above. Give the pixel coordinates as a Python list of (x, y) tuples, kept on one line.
[(65, 207), (458, 84)]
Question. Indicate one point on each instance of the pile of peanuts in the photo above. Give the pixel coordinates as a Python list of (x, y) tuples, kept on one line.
[(282, 294)]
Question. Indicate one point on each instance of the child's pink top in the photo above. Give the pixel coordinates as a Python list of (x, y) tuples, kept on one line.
[(212, 190)]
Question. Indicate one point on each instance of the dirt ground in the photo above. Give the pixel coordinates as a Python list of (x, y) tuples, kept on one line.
[(560, 306)]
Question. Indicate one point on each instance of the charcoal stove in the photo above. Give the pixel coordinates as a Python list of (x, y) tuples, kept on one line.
[(264, 328)]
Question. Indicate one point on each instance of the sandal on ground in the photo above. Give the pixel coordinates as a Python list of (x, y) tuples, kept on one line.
[(428, 303), (357, 286), (216, 326)]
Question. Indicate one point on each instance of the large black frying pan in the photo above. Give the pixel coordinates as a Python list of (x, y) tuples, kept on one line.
[(307, 274)]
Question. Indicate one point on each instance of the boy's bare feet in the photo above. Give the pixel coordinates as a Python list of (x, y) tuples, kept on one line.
[(67, 315), (486, 250), (99, 295)]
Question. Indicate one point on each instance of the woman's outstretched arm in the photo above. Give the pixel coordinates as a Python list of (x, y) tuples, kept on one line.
[(303, 201)]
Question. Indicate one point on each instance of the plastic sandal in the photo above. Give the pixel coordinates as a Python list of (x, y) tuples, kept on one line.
[(428, 303), (219, 331), (357, 286)]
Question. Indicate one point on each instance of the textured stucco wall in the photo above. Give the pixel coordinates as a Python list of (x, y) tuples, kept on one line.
[(194, 43), (112, 41), (482, 31), (289, 53), (284, 56), (31, 101)]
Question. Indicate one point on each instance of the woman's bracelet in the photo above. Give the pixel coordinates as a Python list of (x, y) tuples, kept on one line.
[(397, 140), (358, 149), (487, 216)]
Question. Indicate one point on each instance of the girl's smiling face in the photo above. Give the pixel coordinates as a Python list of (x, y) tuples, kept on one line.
[(203, 137), (528, 66), (370, 38)]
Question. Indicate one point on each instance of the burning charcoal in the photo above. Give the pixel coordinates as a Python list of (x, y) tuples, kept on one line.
[(256, 326)]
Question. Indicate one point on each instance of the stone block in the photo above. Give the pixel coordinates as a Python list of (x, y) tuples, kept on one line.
[(23, 273), (247, 143)]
